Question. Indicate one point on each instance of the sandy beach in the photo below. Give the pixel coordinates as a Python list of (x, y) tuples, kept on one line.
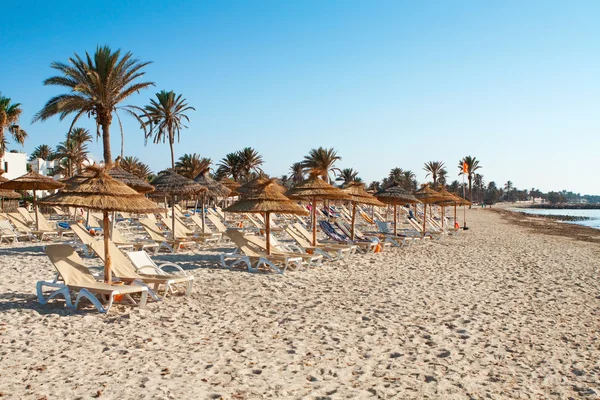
[(501, 311)]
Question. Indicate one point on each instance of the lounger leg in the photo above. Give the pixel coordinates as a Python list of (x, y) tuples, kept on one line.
[(268, 263), (84, 293), (62, 289), (153, 295)]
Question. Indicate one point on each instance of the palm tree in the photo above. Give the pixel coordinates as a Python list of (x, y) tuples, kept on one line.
[(321, 161), (375, 185), (43, 151), (9, 117), (250, 161), (230, 166), (471, 164), (434, 168), (164, 117), (509, 187), (409, 181), (442, 177), (66, 153), (134, 166), (478, 183), (190, 165), (396, 175), (79, 137), (97, 85), (297, 172), (454, 187), (348, 175)]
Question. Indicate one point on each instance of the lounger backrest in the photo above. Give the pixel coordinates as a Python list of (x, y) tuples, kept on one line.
[(69, 265), (198, 221), (217, 223), (152, 229), (220, 212), (242, 242), (6, 227), (117, 237), (297, 236), (302, 230), (140, 259), (383, 226), (181, 231), (82, 233), (43, 224), (16, 219), (58, 211), (331, 232), (25, 214), (121, 265)]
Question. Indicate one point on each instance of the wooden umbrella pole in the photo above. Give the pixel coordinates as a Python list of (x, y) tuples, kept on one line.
[(203, 216), (37, 224), (353, 219), (3, 205), (314, 221), (268, 231), (108, 261), (166, 208), (454, 214), (173, 215), (395, 220), (424, 218)]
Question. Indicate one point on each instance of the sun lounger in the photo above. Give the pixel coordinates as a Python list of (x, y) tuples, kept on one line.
[(311, 260), (24, 228), (7, 232), (360, 237), (76, 276), (123, 243), (25, 216), (124, 270), (171, 245), (307, 235), (333, 234), (332, 253), (253, 258)]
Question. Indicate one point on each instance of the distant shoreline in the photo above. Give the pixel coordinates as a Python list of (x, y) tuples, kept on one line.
[(546, 206)]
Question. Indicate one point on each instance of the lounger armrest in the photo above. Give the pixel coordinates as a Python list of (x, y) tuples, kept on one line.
[(172, 265), (149, 270)]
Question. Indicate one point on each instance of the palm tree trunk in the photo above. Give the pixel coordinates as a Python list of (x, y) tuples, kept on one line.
[(470, 190), (172, 154), (122, 144), (106, 142)]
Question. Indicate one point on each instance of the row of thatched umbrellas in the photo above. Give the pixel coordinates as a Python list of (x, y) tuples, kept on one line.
[(111, 189)]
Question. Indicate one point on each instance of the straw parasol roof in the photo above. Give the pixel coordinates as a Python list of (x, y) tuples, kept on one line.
[(428, 195), (264, 195), (168, 182), (449, 198), (257, 184), (101, 192), (358, 194), (231, 185), (316, 188), (137, 184), (214, 188), (32, 181), (7, 194), (396, 194)]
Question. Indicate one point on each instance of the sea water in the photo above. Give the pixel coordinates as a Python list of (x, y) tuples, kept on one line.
[(593, 215)]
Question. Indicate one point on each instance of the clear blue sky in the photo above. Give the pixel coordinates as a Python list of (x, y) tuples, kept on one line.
[(388, 84)]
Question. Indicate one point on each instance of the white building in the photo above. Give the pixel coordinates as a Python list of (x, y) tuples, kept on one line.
[(45, 167), (13, 164)]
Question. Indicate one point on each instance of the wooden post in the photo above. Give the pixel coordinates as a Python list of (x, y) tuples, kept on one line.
[(173, 214), (166, 207), (37, 224), (395, 220), (268, 231), (203, 216), (314, 221), (424, 217), (108, 261), (353, 219)]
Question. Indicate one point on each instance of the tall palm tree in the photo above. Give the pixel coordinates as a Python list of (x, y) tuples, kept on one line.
[(43, 151), (79, 137), (454, 187), (442, 177), (321, 162), (190, 165), (348, 175), (97, 86), (297, 172), (134, 166), (66, 153), (509, 188), (250, 161), (375, 185), (230, 166), (9, 117), (434, 168), (164, 118), (472, 165)]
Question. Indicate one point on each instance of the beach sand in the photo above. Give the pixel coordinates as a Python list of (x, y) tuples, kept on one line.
[(501, 311)]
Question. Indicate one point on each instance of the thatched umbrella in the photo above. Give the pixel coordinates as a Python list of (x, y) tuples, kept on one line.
[(265, 197), (170, 183), (427, 196), (102, 192), (396, 195), (213, 189), (358, 194), (312, 189), (449, 200), (7, 194), (137, 184), (231, 185), (32, 181)]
